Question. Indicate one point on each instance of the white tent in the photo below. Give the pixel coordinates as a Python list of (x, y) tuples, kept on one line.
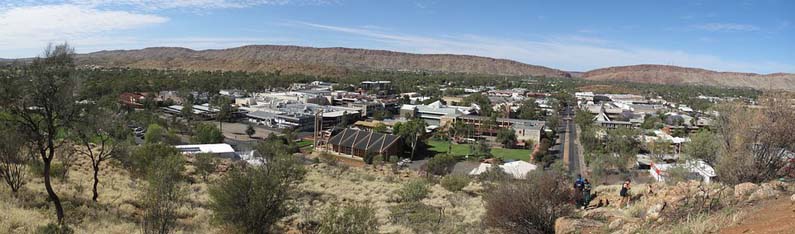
[(483, 167), (518, 169)]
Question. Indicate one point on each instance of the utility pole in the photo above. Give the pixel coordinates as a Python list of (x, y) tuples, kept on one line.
[(317, 134)]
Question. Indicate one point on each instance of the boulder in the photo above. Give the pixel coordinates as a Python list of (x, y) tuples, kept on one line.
[(615, 224), (792, 198), (568, 225), (744, 189), (654, 211), (602, 213), (764, 193)]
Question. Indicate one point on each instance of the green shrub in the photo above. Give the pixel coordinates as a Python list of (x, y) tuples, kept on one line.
[(419, 217), (530, 205), (57, 170), (143, 156), (494, 174), (207, 134), (441, 164), (454, 183), (269, 189), (413, 191), (205, 164), (350, 219)]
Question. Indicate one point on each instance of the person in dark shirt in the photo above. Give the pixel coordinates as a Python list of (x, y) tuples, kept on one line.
[(586, 193), (624, 194), (578, 186)]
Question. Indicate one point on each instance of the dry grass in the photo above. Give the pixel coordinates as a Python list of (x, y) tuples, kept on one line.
[(117, 210), (325, 185)]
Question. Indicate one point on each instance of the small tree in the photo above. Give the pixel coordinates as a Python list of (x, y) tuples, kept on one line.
[(250, 131), (350, 219), (529, 206), (97, 136), (164, 195), (455, 183), (481, 148), (440, 164), (142, 158), (207, 134), (268, 189), (703, 145), (154, 134), (187, 107), (12, 159), (205, 164), (40, 99), (223, 105), (414, 191), (528, 110), (412, 132), (506, 137), (659, 148), (380, 127), (755, 142)]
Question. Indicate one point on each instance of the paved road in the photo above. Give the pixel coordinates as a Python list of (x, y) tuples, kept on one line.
[(569, 145)]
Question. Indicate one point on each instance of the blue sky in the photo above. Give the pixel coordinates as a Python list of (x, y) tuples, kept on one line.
[(746, 36)]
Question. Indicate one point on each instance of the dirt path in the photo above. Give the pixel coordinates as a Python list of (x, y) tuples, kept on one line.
[(776, 216)]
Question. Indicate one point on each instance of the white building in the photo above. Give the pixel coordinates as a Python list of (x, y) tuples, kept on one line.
[(220, 150), (698, 170)]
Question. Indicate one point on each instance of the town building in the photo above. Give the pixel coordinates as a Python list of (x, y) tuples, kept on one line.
[(360, 143), (300, 116), (381, 85), (524, 129), (219, 150), (434, 114), (132, 100)]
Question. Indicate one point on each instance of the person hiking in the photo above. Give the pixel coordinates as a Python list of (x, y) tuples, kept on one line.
[(578, 183), (586, 193), (578, 186), (624, 194)]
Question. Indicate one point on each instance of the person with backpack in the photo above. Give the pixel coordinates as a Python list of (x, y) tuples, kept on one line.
[(586, 193), (624, 194), (578, 183), (578, 186)]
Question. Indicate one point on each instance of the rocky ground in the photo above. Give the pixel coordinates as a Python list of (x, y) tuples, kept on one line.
[(689, 207)]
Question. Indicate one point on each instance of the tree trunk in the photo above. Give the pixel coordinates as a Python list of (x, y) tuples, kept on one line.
[(50, 192), (96, 182), (414, 146)]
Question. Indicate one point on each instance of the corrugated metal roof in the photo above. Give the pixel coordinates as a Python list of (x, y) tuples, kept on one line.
[(364, 140)]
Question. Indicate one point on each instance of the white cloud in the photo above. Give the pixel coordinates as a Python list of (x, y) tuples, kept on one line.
[(568, 53), (35, 26), (726, 27)]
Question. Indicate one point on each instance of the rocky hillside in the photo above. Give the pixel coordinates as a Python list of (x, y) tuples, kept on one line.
[(688, 207), (662, 74), (317, 61), (341, 61)]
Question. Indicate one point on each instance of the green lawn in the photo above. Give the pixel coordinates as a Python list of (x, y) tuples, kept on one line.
[(304, 143), (463, 149)]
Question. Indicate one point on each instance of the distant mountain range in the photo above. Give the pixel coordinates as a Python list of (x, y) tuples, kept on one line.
[(340, 61), (316, 61)]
